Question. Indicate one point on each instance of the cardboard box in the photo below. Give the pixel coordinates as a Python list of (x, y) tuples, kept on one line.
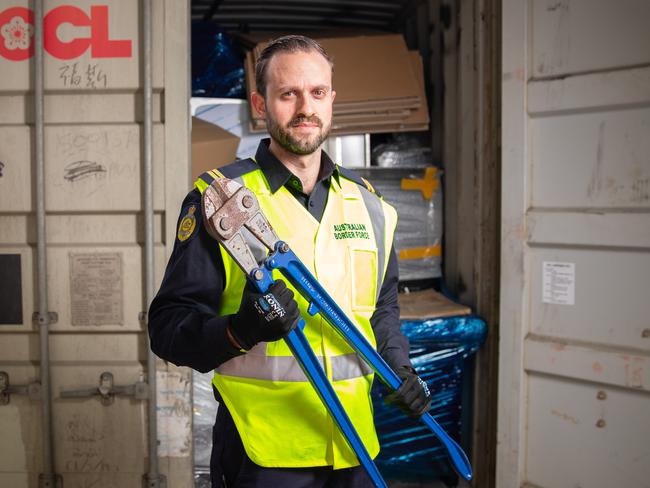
[(372, 69), (428, 304), (212, 147), (232, 115), (379, 85)]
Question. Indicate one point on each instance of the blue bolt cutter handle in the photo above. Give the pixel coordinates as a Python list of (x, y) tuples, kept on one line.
[(284, 259), (302, 351)]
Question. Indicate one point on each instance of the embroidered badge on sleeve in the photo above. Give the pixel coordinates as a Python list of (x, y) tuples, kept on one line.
[(187, 225)]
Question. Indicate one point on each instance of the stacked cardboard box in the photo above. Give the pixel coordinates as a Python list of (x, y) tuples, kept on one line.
[(379, 85), (212, 147)]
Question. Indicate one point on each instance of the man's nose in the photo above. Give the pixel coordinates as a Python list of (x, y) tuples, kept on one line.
[(305, 105)]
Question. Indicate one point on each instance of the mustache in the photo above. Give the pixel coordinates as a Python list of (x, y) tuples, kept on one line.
[(300, 119)]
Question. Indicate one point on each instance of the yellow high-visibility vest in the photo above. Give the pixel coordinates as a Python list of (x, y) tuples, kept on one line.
[(280, 418)]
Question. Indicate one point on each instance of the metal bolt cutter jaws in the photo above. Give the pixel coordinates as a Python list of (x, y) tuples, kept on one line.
[(228, 208)]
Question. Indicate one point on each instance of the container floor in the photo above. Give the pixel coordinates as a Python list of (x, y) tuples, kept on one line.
[(202, 480), (431, 484)]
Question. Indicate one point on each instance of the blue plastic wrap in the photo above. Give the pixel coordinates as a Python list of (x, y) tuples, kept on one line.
[(439, 352), (217, 67)]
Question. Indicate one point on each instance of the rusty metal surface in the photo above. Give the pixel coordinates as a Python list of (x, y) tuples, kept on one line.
[(228, 210)]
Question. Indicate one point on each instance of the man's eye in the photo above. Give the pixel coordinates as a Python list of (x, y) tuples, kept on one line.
[(320, 92), (288, 94)]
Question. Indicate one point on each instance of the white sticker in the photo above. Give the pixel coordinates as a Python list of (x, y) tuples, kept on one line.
[(174, 414), (559, 280)]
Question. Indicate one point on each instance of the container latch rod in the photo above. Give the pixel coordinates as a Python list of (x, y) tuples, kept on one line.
[(107, 390), (32, 390)]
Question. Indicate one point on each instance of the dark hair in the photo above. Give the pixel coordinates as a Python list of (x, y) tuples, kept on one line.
[(285, 44)]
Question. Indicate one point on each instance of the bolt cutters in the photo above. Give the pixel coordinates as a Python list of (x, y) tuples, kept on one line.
[(233, 217)]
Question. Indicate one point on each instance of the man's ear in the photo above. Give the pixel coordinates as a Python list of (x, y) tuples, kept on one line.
[(333, 95), (257, 101)]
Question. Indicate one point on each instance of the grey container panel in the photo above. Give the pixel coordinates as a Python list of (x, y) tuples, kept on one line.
[(93, 114), (89, 167), (79, 108), (92, 68), (98, 168), (574, 350), (16, 169)]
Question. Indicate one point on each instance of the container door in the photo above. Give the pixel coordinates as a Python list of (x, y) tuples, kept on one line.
[(574, 381), (95, 238)]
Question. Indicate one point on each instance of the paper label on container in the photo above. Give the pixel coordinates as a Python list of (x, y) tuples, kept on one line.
[(558, 286), (174, 414), (96, 292)]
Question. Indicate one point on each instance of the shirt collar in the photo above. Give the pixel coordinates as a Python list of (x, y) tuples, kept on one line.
[(277, 174)]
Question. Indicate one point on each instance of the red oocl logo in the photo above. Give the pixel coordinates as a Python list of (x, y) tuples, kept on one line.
[(17, 30)]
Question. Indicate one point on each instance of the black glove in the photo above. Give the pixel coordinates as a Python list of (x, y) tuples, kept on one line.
[(413, 397), (264, 317)]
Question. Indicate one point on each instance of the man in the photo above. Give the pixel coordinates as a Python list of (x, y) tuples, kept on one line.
[(271, 427)]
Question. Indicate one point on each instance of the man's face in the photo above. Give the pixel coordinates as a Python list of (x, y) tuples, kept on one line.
[(298, 102)]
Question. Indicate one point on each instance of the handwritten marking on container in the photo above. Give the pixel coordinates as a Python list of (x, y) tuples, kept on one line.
[(80, 428), (174, 414), (82, 169), (564, 416), (82, 75), (88, 465), (2, 166), (634, 371), (86, 448), (558, 283), (76, 144)]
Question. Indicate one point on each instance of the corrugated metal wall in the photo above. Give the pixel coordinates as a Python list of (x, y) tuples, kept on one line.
[(93, 150), (575, 344)]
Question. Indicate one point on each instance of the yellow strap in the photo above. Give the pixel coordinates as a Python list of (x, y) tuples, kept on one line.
[(420, 252), (201, 184), (215, 173), (427, 185), (370, 188)]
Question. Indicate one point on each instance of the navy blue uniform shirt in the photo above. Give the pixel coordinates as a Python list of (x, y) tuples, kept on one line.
[(183, 323)]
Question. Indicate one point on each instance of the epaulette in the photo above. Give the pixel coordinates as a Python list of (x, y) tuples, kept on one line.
[(239, 168), (359, 180), (371, 188), (231, 171)]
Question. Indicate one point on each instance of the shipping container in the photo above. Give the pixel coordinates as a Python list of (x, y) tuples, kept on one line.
[(574, 358), (539, 117), (89, 127)]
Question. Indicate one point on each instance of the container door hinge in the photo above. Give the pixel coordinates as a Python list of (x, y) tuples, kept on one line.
[(107, 390), (50, 318), (32, 390), (159, 482), (50, 481)]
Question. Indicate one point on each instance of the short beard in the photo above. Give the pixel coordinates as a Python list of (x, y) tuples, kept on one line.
[(290, 143)]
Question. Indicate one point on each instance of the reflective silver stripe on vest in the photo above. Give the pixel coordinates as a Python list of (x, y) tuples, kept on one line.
[(349, 366), (378, 219), (286, 368)]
